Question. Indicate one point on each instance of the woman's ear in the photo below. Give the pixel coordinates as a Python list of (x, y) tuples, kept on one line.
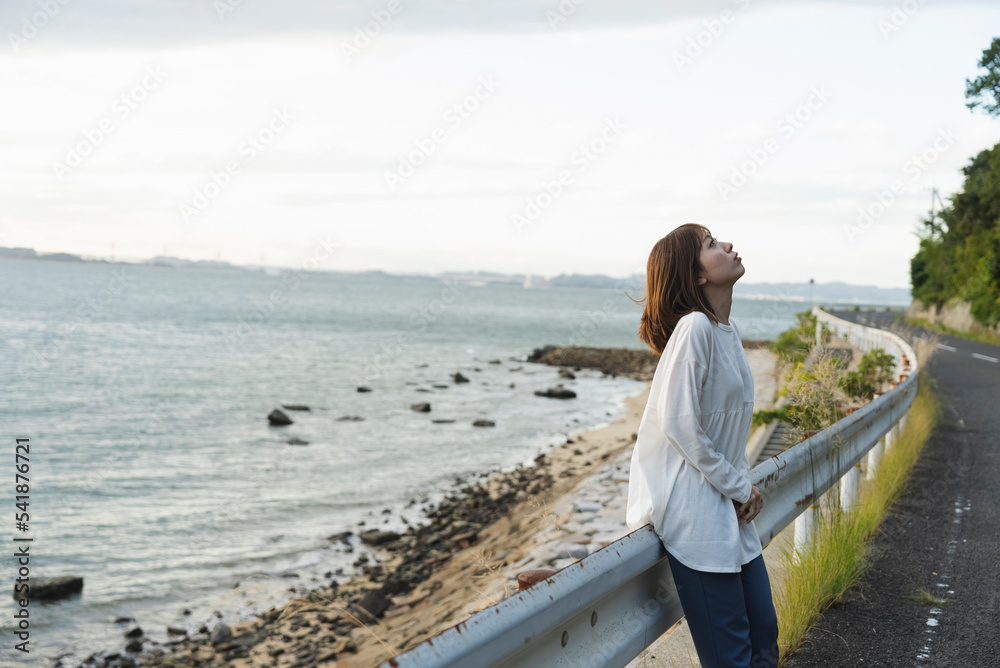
[(702, 280)]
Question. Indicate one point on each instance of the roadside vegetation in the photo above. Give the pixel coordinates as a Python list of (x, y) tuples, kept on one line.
[(818, 385), (813, 580), (982, 336)]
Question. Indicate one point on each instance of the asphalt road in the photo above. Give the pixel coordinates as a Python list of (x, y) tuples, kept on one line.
[(943, 535)]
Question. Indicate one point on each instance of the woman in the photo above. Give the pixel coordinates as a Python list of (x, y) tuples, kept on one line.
[(690, 473)]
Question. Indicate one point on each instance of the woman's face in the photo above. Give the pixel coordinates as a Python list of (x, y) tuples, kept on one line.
[(722, 266)]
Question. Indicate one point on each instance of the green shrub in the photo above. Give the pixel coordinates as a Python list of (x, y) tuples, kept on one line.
[(874, 369), (793, 344), (763, 417)]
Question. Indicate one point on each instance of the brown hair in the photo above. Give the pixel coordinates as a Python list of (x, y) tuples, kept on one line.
[(672, 289)]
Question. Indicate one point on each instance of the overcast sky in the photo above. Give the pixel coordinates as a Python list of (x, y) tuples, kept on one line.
[(435, 135)]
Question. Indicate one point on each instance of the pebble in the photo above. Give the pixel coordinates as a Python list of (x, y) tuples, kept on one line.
[(571, 527), (587, 507)]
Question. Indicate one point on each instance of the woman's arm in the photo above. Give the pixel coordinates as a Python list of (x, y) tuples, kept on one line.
[(679, 408)]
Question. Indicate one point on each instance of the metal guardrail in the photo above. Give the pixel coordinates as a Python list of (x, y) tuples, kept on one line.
[(603, 610)]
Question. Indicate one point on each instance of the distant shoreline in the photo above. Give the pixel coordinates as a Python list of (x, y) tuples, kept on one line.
[(838, 293)]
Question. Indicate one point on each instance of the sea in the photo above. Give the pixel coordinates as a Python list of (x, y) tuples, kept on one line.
[(138, 455)]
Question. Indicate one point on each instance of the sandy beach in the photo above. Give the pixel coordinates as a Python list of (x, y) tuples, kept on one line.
[(568, 505)]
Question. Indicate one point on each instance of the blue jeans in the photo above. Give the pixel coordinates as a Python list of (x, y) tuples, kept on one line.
[(731, 615)]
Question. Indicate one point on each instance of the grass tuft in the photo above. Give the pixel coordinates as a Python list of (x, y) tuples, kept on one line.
[(927, 598)]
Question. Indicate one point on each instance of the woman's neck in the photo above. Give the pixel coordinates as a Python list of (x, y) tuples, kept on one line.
[(721, 301)]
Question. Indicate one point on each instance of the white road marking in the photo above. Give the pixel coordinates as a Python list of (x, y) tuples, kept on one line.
[(944, 347), (985, 357)]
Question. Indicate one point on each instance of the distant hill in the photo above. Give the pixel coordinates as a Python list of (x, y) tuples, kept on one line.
[(826, 292), (30, 254), (159, 260), (836, 292), (181, 263)]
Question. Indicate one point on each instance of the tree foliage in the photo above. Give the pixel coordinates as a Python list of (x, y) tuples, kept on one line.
[(959, 254), (984, 90)]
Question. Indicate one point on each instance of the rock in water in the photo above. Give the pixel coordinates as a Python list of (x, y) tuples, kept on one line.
[(51, 588), (459, 378), (423, 407), (297, 441), (559, 392), (295, 407), (278, 418), (484, 423)]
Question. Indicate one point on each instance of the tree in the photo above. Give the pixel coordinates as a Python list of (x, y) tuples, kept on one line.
[(985, 90), (960, 257)]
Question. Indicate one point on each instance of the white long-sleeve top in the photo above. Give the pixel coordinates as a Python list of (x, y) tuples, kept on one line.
[(689, 459)]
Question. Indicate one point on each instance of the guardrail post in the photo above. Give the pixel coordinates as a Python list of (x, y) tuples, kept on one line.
[(894, 433), (805, 527), (875, 454), (849, 487)]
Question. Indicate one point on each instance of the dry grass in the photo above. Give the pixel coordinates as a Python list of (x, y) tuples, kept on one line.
[(922, 595)]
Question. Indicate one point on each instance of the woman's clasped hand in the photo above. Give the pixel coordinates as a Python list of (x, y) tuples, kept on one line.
[(747, 511)]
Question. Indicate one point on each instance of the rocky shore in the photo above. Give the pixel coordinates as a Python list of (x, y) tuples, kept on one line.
[(628, 362), (465, 558)]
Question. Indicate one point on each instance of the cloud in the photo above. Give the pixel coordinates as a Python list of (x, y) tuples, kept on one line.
[(93, 23)]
